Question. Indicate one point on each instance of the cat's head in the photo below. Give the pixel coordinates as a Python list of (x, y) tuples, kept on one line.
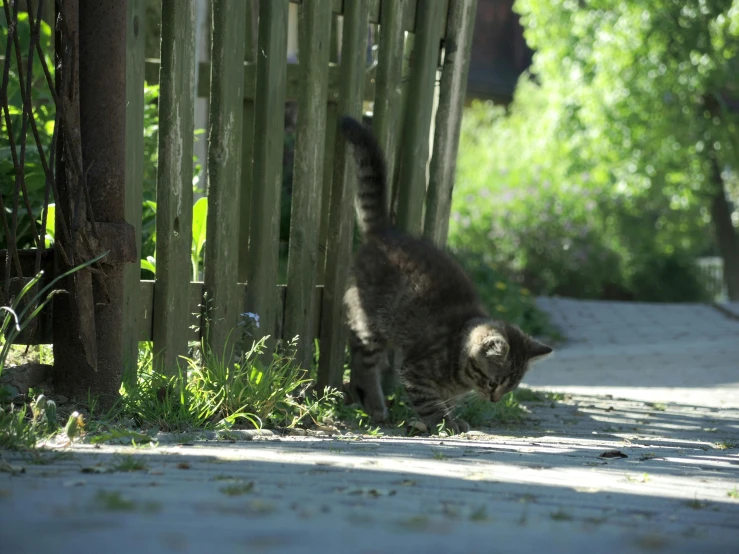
[(496, 355)]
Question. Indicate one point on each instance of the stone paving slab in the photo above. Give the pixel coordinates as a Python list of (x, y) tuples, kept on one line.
[(731, 307), (633, 323), (687, 353), (543, 485)]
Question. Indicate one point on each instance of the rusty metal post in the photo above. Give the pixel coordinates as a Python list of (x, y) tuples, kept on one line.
[(88, 322)]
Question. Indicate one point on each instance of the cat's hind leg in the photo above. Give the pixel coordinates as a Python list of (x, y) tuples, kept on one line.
[(368, 362), (365, 384)]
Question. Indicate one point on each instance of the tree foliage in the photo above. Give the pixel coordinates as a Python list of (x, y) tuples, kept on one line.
[(601, 175), (649, 81)]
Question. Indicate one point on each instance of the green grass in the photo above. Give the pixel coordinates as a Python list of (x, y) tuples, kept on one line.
[(117, 434), (561, 515), (479, 514), (16, 431), (21, 428), (734, 493), (128, 462), (222, 391), (523, 394), (479, 412), (114, 501), (237, 489), (416, 523), (696, 504)]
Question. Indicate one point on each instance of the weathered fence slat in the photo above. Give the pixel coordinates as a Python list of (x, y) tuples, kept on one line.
[(314, 33), (341, 216), (458, 41), (402, 87), (247, 143), (224, 171), (375, 10), (174, 183), (135, 14), (388, 99), (269, 130), (195, 299), (292, 85), (328, 155), (416, 130)]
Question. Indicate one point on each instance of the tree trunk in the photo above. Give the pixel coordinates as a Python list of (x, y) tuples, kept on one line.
[(726, 236)]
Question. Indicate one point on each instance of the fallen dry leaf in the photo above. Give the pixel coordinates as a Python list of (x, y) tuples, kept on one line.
[(613, 454), (96, 469), (5, 467)]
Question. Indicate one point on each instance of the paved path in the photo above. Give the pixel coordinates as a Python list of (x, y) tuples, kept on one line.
[(540, 486), (684, 353)]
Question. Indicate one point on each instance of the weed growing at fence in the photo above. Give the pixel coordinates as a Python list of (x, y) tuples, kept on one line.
[(16, 432), (164, 402), (18, 429), (220, 391)]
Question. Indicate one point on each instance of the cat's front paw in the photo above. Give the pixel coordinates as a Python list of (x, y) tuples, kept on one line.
[(379, 416), (456, 425), (449, 424), (372, 404)]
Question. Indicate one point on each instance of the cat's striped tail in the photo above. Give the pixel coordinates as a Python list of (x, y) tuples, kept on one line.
[(371, 201)]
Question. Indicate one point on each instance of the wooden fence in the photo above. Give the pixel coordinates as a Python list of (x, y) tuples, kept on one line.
[(413, 92)]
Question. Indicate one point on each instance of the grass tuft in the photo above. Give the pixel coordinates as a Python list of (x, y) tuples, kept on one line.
[(223, 391), (479, 412)]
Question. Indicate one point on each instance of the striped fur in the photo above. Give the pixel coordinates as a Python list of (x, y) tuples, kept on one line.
[(371, 201), (410, 297)]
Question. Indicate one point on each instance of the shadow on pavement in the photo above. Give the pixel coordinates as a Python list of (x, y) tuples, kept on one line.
[(378, 494)]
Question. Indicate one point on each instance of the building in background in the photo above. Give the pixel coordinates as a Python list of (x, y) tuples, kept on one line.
[(499, 52)]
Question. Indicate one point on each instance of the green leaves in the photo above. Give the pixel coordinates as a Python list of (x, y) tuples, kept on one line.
[(596, 181), (199, 224), (44, 114), (199, 220), (20, 313)]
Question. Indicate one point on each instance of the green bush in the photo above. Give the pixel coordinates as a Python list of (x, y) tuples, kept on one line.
[(521, 209), (44, 115), (502, 297)]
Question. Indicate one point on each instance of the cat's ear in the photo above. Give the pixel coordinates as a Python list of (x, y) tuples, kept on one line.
[(485, 343), (538, 350), (495, 346)]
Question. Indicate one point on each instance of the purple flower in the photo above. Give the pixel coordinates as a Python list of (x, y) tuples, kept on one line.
[(250, 316)]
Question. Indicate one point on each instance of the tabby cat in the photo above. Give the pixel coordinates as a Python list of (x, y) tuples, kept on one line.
[(407, 295)]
